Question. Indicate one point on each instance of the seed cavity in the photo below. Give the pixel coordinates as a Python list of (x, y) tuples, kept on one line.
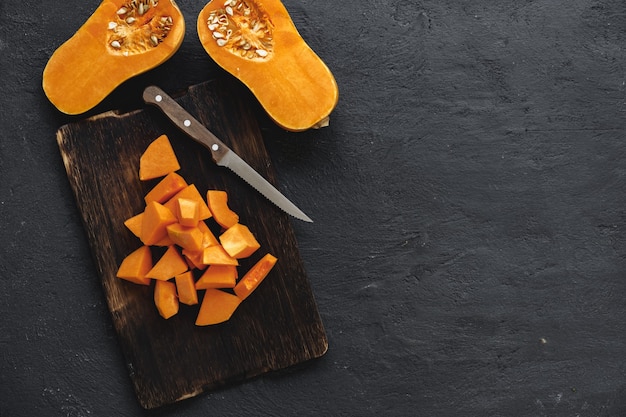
[(137, 27), (243, 28)]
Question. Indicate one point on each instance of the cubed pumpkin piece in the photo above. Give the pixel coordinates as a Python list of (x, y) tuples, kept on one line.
[(168, 266), (209, 238), (238, 241), (218, 276), (217, 307), (158, 159), (194, 258), (251, 280), (190, 192), (154, 224), (190, 238), (186, 289), (217, 201), (165, 298), (216, 255), (166, 188), (187, 212), (136, 265), (134, 224)]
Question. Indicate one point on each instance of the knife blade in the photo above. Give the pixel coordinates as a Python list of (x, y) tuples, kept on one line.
[(221, 154)]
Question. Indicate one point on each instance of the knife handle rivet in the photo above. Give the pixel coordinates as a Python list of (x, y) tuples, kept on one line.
[(215, 147), (187, 122), (158, 98)]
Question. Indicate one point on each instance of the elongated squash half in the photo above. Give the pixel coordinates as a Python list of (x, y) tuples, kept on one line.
[(121, 39), (257, 42)]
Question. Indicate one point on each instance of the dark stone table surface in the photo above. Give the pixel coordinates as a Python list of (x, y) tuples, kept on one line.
[(468, 254)]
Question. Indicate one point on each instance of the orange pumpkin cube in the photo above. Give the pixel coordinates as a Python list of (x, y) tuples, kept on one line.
[(158, 159), (218, 276), (165, 298), (166, 188), (216, 255), (136, 265), (217, 307), (238, 241), (192, 193), (217, 201), (186, 289), (187, 212), (168, 266), (255, 276), (190, 238), (154, 223)]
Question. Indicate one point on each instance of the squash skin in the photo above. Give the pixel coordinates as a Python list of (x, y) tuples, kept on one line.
[(83, 71), (293, 85)]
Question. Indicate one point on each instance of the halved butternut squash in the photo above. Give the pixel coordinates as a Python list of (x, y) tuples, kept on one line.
[(257, 42), (120, 40)]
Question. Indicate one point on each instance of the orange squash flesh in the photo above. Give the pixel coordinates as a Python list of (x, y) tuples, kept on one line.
[(166, 188), (218, 276), (217, 307), (106, 51), (255, 276), (191, 192), (165, 298), (186, 289), (194, 258), (154, 223), (209, 238), (216, 255), (217, 200), (168, 266), (190, 238), (158, 159), (134, 224), (290, 81), (239, 242), (136, 265), (187, 212)]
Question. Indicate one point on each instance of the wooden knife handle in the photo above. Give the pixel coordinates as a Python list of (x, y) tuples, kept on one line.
[(186, 122)]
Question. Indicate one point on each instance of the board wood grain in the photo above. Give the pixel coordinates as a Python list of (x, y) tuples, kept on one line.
[(168, 360)]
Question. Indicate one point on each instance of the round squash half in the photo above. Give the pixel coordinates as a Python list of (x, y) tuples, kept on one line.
[(257, 42), (121, 39)]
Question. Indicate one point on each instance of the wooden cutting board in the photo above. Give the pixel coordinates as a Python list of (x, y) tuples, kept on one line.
[(169, 360)]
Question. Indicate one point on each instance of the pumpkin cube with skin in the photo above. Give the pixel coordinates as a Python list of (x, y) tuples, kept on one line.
[(239, 242), (255, 276)]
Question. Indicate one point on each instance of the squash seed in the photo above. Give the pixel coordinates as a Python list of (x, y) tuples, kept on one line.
[(246, 24)]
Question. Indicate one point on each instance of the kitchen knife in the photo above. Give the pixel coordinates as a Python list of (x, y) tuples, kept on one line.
[(222, 154)]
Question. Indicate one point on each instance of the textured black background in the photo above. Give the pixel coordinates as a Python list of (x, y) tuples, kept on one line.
[(468, 253)]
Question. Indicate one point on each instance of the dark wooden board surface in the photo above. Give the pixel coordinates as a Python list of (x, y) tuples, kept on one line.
[(168, 360)]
